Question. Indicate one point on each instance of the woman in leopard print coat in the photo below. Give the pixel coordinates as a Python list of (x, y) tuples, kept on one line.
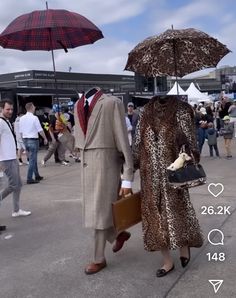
[(168, 218)]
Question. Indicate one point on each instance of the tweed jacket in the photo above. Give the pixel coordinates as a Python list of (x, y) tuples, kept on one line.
[(104, 149)]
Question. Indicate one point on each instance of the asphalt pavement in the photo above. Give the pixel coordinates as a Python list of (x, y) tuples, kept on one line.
[(44, 255)]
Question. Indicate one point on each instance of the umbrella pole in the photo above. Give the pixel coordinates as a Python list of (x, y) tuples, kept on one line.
[(155, 85), (55, 77), (175, 65), (177, 85), (53, 62)]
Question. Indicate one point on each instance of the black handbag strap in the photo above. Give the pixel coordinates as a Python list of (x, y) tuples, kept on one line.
[(183, 149), (11, 129)]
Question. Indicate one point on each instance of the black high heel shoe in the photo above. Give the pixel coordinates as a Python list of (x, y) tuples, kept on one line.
[(184, 261), (162, 272)]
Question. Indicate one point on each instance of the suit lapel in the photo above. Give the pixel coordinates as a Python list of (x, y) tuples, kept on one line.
[(81, 116), (93, 117)]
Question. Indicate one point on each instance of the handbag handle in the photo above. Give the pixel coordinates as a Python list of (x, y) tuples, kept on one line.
[(183, 150)]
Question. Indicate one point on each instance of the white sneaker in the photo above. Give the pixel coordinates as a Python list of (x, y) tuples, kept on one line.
[(64, 163), (43, 163), (20, 163), (21, 213)]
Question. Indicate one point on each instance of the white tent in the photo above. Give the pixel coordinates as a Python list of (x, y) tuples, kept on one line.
[(194, 95), (173, 90)]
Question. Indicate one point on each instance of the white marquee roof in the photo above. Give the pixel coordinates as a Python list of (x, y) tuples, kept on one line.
[(195, 95), (173, 90)]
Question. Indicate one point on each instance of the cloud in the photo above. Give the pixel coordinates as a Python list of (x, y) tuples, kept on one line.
[(11, 9), (107, 12), (226, 36), (101, 12), (142, 18), (216, 20), (184, 16), (105, 56), (108, 56)]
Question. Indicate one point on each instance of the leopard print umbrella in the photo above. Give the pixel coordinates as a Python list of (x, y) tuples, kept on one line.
[(175, 53)]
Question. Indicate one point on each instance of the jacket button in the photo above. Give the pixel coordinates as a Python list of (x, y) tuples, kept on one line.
[(85, 165)]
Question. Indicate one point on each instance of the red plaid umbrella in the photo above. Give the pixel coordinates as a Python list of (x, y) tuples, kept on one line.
[(48, 30)]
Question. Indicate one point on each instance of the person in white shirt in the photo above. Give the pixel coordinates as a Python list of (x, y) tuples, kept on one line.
[(129, 130), (19, 142), (8, 159), (30, 128), (133, 117)]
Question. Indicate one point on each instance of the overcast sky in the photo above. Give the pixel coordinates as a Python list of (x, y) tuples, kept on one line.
[(124, 23)]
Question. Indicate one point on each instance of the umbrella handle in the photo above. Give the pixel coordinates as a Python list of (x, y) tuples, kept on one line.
[(64, 47)]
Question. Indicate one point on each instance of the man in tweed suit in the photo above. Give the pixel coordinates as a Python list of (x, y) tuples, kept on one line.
[(101, 137)]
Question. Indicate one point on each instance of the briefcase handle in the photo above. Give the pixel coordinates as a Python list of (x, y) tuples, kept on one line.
[(124, 196)]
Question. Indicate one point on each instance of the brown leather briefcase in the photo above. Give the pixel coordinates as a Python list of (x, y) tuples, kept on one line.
[(126, 212)]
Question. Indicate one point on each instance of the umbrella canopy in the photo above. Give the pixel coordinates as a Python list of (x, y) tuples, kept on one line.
[(176, 53), (49, 30)]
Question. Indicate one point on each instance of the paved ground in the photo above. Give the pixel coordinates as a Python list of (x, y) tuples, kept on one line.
[(43, 256)]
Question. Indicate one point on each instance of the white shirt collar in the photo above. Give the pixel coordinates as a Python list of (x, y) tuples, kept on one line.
[(89, 99)]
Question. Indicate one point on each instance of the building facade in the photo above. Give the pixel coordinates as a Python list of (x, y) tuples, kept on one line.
[(42, 88), (220, 79)]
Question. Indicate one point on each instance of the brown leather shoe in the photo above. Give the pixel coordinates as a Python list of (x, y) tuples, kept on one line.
[(95, 268), (121, 238)]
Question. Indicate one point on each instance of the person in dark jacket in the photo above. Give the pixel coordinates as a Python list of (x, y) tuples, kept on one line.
[(211, 136), (224, 108), (209, 115), (201, 125)]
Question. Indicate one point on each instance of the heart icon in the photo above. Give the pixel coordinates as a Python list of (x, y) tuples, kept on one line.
[(215, 189)]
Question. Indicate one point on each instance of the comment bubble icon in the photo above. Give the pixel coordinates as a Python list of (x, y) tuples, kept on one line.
[(216, 237)]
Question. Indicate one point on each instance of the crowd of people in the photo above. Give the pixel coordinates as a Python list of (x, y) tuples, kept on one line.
[(19, 144), (60, 135), (149, 141), (213, 121)]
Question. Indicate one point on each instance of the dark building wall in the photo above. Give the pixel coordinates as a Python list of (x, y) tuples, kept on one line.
[(8, 94), (144, 84), (39, 96), (67, 80)]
